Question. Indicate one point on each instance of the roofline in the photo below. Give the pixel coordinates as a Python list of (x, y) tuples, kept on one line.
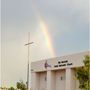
[(61, 56)]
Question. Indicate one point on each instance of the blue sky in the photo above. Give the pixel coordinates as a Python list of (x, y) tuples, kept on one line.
[(68, 23)]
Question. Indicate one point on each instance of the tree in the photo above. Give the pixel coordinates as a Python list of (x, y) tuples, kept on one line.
[(11, 88), (21, 85), (83, 74)]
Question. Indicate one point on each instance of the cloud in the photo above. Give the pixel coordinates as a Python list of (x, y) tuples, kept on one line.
[(67, 22), (14, 53)]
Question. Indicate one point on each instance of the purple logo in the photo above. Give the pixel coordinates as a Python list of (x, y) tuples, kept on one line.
[(46, 65)]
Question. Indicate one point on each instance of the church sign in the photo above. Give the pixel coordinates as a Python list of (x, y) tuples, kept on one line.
[(63, 63)]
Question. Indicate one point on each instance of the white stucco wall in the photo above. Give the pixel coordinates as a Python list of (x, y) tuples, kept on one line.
[(59, 68), (43, 81), (75, 59), (60, 80)]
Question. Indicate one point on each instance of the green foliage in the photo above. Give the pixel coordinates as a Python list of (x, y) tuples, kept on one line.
[(83, 74), (21, 85), (11, 88)]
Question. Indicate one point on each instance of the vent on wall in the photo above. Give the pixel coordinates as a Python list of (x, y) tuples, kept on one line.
[(62, 78), (45, 78)]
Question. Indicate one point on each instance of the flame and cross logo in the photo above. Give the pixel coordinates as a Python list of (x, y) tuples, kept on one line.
[(46, 65)]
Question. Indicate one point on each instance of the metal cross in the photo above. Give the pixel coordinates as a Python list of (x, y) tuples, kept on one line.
[(29, 43)]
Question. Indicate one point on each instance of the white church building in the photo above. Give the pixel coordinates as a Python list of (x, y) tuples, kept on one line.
[(57, 73)]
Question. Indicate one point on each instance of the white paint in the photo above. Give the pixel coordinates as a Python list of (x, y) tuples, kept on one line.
[(35, 81), (68, 79), (50, 80), (57, 78), (43, 81), (60, 80)]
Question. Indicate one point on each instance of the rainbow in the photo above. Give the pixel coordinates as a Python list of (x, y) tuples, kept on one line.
[(44, 29)]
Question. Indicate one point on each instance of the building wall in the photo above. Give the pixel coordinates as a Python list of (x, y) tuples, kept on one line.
[(51, 80), (43, 81), (35, 81), (59, 73), (73, 79), (60, 80), (77, 85), (75, 59)]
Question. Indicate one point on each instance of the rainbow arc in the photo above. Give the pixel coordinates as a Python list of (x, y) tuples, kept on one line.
[(44, 28)]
